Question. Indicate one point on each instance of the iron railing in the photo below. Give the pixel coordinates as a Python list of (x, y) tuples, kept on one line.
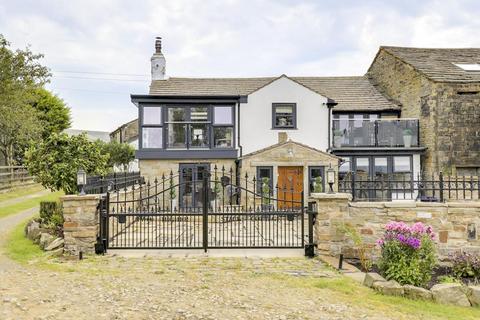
[(203, 209), (427, 188), (375, 133), (112, 182)]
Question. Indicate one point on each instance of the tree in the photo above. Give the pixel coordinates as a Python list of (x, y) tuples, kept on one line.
[(121, 154), (55, 162), (52, 111), (20, 75)]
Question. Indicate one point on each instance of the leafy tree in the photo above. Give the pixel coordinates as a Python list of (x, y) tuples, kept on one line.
[(20, 75), (52, 111), (55, 162), (121, 154)]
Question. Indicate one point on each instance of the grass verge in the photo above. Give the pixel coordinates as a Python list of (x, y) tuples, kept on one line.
[(27, 204), (21, 192), (20, 248), (349, 292)]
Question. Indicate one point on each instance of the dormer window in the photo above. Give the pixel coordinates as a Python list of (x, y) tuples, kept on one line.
[(284, 116), (469, 66)]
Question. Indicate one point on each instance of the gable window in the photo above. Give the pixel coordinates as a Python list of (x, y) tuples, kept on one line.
[(152, 128), (284, 116)]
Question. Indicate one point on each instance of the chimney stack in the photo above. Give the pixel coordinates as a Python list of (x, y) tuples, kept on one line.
[(157, 61)]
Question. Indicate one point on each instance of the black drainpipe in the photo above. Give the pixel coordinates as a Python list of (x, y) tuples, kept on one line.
[(330, 105), (238, 126)]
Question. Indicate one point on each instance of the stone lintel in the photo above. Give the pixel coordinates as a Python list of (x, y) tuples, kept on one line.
[(331, 196)]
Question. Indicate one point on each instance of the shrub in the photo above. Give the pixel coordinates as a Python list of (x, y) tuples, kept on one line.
[(362, 248), (51, 214), (408, 253), (465, 265)]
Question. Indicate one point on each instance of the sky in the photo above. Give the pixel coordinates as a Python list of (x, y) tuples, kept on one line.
[(99, 51)]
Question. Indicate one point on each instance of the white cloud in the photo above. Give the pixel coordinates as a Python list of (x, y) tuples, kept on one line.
[(220, 38)]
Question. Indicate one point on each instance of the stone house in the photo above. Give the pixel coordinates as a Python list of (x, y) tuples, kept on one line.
[(288, 130), (441, 88)]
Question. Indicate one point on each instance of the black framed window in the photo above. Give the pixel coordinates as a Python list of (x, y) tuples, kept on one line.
[(316, 179), (264, 175), (284, 116), (402, 168), (152, 127), (223, 129)]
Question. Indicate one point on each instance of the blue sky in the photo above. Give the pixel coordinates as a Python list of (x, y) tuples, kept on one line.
[(99, 51)]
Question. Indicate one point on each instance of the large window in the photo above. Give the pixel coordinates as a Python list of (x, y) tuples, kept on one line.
[(223, 127), (284, 116), (152, 129), (187, 127), (152, 138)]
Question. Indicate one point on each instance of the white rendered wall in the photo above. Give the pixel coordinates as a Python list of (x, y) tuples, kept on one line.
[(256, 116)]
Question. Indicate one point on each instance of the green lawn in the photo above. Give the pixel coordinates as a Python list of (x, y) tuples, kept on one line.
[(20, 192), (27, 204), (347, 291), (20, 248)]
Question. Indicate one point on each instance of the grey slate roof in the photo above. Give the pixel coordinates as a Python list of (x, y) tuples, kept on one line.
[(351, 93), (438, 64)]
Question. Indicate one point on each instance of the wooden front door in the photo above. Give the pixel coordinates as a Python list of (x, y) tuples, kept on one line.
[(290, 187)]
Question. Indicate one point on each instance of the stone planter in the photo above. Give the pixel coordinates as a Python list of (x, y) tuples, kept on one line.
[(337, 141), (407, 140)]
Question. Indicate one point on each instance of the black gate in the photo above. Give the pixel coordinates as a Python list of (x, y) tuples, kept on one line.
[(220, 210)]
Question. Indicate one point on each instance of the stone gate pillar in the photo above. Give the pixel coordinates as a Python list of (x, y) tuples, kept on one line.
[(332, 212), (81, 222)]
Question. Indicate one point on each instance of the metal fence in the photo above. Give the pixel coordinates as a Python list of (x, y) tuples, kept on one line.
[(112, 182), (427, 188), (14, 176)]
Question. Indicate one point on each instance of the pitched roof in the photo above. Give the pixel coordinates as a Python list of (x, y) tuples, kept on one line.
[(281, 144), (351, 93), (439, 64)]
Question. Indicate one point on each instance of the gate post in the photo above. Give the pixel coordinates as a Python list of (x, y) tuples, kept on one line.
[(312, 213), (102, 239), (205, 185)]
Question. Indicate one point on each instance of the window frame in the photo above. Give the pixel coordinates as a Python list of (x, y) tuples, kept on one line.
[(259, 181), (310, 178), (294, 115), (142, 124), (213, 125), (165, 123)]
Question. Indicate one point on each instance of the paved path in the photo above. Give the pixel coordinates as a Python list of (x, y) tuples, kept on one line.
[(9, 202)]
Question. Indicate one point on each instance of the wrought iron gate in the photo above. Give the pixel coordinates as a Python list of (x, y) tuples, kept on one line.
[(246, 213)]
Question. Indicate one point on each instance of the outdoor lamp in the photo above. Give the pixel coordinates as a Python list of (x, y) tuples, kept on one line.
[(330, 178), (81, 180)]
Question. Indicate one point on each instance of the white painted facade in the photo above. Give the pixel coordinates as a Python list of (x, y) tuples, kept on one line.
[(256, 116)]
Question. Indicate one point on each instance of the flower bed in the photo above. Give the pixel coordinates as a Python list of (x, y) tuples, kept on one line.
[(408, 267)]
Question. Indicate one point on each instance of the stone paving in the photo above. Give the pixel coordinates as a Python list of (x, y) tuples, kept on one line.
[(187, 231)]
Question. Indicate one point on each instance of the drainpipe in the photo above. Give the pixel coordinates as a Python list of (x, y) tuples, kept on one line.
[(238, 126), (330, 104)]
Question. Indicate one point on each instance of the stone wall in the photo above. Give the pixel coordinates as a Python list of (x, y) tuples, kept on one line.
[(81, 224), (455, 223), (449, 118)]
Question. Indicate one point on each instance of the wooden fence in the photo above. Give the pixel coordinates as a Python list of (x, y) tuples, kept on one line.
[(14, 176)]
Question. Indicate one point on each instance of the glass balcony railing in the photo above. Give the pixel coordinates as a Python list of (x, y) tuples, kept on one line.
[(375, 133)]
